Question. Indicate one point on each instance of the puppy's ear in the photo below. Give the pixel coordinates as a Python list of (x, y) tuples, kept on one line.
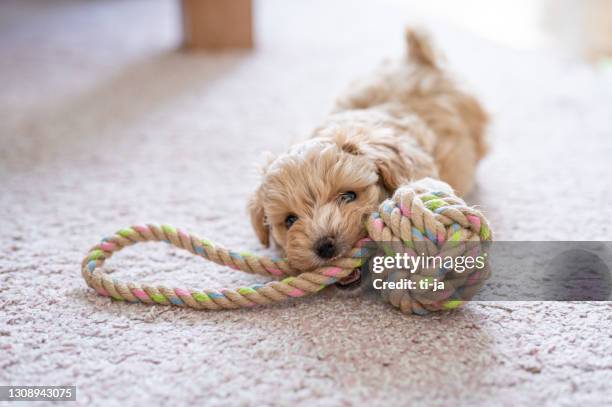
[(397, 159), (391, 168), (350, 147), (258, 218), (397, 162), (255, 205), (381, 150)]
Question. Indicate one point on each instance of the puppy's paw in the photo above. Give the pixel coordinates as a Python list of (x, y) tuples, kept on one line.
[(431, 184)]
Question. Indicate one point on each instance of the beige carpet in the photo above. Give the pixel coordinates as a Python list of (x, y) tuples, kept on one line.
[(103, 124)]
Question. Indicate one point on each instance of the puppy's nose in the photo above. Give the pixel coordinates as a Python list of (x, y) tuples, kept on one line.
[(325, 248)]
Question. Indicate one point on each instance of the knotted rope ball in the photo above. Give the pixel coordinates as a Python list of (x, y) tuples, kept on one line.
[(417, 216)]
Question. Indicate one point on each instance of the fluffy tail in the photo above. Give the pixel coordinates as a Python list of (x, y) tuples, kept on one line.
[(419, 48)]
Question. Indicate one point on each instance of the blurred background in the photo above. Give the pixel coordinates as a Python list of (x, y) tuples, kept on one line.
[(576, 28)]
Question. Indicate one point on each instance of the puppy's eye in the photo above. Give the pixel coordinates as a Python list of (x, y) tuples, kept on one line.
[(290, 220), (347, 197)]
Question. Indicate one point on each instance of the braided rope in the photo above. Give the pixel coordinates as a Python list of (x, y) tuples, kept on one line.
[(438, 224), (413, 214)]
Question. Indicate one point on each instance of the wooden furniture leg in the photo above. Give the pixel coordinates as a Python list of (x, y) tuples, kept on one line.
[(214, 24)]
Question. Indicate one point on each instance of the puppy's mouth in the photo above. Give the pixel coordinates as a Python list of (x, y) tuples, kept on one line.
[(351, 281)]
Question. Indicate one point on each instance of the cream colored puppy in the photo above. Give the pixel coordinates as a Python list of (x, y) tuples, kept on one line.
[(407, 121)]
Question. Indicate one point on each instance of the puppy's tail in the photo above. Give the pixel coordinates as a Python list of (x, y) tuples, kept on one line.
[(419, 48)]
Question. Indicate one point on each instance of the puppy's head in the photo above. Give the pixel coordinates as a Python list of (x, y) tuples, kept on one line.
[(314, 199)]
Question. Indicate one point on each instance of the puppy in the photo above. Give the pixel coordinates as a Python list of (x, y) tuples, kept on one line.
[(407, 121)]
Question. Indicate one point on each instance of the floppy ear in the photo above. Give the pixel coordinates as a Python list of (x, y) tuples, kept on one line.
[(397, 162), (349, 146), (391, 168), (383, 152), (258, 218), (255, 206)]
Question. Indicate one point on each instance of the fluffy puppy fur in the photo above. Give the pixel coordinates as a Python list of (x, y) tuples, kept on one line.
[(407, 121)]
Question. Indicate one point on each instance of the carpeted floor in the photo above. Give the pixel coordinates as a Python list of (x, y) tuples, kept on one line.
[(103, 124)]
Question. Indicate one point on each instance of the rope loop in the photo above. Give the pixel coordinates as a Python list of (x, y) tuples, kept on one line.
[(435, 219)]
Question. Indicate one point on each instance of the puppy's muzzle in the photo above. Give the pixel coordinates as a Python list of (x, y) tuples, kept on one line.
[(326, 248)]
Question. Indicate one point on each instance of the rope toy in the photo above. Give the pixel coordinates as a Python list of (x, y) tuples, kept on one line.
[(415, 214)]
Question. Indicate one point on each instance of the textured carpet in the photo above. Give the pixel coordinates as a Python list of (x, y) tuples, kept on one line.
[(103, 124)]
